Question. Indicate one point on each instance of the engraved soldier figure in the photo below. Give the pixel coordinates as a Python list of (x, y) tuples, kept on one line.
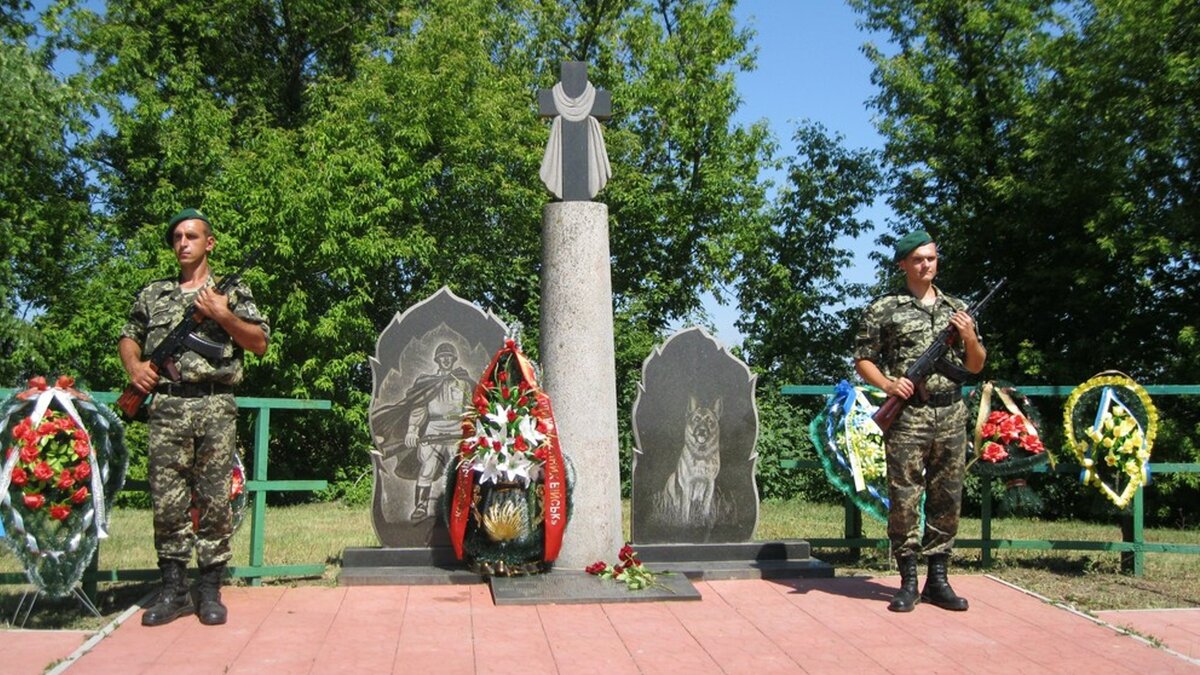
[(192, 420), (926, 444), (436, 404)]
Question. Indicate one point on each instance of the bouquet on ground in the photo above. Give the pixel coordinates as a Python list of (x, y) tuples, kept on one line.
[(629, 570), (64, 460), (1110, 424), (851, 448)]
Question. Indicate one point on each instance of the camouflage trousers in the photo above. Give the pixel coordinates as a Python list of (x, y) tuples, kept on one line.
[(191, 460), (926, 448)]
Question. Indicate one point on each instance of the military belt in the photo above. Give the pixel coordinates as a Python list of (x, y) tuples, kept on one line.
[(193, 389), (939, 399)]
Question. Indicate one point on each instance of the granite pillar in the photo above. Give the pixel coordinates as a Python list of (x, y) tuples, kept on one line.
[(579, 373)]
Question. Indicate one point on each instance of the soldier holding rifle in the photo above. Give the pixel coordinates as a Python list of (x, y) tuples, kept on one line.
[(926, 443), (193, 413)]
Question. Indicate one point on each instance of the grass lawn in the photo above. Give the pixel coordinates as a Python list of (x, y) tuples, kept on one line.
[(312, 533)]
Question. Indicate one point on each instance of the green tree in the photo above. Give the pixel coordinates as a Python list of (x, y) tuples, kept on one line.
[(1055, 143), (43, 192)]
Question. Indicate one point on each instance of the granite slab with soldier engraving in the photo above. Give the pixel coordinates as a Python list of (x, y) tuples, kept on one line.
[(426, 364), (695, 424), (568, 587)]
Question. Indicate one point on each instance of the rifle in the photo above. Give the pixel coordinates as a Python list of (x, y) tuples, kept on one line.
[(933, 360), (183, 336)]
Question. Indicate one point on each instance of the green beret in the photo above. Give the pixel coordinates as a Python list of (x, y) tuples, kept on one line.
[(185, 214), (911, 242)]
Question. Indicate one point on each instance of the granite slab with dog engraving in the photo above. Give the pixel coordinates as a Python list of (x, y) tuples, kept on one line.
[(695, 424)]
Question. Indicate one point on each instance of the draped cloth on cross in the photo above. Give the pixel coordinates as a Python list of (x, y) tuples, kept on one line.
[(575, 165)]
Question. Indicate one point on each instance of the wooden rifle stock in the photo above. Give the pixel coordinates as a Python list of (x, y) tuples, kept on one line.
[(131, 400), (888, 412)]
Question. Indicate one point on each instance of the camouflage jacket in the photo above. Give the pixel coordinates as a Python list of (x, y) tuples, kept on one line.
[(160, 306), (896, 329)]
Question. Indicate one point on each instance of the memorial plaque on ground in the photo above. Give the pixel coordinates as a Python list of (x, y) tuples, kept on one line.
[(427, 362), (695, 425), (562, 587)]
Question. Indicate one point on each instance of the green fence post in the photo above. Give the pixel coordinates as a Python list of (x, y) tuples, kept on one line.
[(1133, 531), (258, 523), (985, 521), (91, 587)]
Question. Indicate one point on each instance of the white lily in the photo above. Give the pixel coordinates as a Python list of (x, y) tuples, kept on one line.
[(528, 428)]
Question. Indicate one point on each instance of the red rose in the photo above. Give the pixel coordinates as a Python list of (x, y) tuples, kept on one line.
[(82, 471), (81, 435), (626, 553), (60, 511), (43, 471), (540, 454), (38, 383), (503, 391), (512, 415), (65, 382), (1032, 444), (237, 483), (34, 501), (596, 567), (19, 478), (29, 453), (65, 480), (503, 377), (23, 431), (496, 445), (46, 428), (82, 449), (520, 445), (80, 495), (993, 452), (523, 401)]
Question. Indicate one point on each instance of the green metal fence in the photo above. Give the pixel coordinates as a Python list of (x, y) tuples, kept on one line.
[(257, 487), (1132, 546)]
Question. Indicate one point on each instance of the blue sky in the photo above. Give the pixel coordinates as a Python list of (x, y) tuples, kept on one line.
[(809, 67)]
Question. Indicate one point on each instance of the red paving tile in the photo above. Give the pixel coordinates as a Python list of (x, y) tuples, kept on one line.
[(28, 651), (796, 626)]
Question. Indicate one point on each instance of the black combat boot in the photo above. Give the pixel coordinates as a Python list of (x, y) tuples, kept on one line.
[(422, 500), (937, 589), (212, 612), (174, 600), (906, 598)]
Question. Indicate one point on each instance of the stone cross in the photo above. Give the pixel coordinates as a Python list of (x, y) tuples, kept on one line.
[(575, 166)]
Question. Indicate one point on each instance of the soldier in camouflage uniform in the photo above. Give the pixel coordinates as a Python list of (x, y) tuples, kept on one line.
[(192, 421), (926, 443)]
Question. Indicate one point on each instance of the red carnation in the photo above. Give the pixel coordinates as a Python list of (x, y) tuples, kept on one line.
[(1032, 444), (43, 471), (60, 511), (19, 478), (34, 501)]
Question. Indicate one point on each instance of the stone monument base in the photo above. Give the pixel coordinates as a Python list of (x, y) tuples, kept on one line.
[(785, 559), (379, 566), (571, 587)]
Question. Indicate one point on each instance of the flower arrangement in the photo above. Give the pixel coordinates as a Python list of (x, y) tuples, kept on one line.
[(629, 570), (64, 460), (509, 451), (1110, 424), (508, 433), (851, 448), (52, 468), (1006, 439)]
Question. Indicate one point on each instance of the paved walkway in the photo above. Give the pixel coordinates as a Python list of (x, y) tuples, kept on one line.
[(835, 625)]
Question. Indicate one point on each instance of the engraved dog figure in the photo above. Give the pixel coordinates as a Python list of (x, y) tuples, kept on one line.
[(689, 499)]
